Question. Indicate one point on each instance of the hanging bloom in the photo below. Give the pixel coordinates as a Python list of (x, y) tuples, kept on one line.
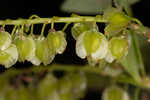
[(9, 56), (56, 41), (118, 47), (92, 43), (42, 51), (26, 47), (5, 40)]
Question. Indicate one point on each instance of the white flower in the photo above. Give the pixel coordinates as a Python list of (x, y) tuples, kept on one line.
[(93, 44), (9, 56)]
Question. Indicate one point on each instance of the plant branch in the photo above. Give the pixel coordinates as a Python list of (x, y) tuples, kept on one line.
[(49, 20)]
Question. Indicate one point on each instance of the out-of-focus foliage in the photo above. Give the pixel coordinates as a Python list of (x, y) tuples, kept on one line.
[(95, 6), (85, 6), (41, 86)]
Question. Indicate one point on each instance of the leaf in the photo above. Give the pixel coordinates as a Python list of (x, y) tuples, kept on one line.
[(133, 63), (85, 6)]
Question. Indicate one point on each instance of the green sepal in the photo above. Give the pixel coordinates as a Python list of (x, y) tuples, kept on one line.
[(79, 28)]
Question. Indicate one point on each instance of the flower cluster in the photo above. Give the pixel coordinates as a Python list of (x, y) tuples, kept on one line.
[(36, 49), (93, 44)]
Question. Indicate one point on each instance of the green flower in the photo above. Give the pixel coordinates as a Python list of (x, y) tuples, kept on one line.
[(26, 47), (92, 43), (56, 41), (9, 56)]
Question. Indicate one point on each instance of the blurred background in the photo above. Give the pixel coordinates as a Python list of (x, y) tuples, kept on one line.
[(13, 9)]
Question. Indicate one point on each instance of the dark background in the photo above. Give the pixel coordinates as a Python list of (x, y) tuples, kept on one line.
[(13, 9)]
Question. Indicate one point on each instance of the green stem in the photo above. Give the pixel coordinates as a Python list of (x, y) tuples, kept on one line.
[(136, 96), (137, 21), (31, 31), (13, 31), (42, 31), (65, 27), (57, 20)]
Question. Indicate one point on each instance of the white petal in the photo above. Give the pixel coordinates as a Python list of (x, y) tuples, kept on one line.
[(80, 49), (109, 57), (35, 61), (31, 55), (102, 50), (63, 46)]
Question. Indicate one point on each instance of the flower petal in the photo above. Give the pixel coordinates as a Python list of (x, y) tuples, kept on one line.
[(80, 49)]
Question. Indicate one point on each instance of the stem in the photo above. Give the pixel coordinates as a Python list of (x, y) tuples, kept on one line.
[(43, 28), (137, 21), (65, 27), (13, 31), (136, 96), (57, 20), (31, 31)]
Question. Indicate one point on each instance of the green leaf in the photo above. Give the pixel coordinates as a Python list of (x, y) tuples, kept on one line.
[(133, 63), (85, 6)]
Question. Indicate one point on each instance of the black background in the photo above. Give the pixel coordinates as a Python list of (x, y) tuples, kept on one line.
[(13, 9)]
